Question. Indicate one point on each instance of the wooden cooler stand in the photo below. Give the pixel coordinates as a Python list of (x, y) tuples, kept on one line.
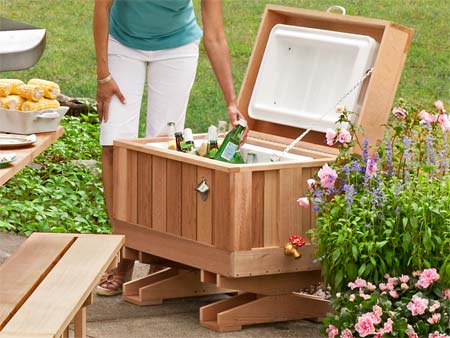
[(234, 239)]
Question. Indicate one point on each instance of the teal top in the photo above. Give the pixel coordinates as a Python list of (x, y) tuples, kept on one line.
[(154, 24)]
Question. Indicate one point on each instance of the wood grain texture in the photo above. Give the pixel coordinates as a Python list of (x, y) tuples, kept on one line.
[(189, 201), (241, 210), (257, 209), (132, 186), (221, 211), (159, 193), (205, 207), (271, 208), (120, 183), (27, 154), (174, 197), (144, 189)]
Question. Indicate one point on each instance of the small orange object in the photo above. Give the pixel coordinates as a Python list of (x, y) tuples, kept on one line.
[(291, 250)]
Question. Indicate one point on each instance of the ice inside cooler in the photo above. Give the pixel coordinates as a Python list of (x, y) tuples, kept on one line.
[(305, 72), (262, 155)]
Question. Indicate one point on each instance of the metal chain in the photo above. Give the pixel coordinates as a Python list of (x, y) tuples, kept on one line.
[(277, 157)]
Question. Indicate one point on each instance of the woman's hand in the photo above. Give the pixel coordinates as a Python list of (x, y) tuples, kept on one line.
[(234, 115), (105, 92)]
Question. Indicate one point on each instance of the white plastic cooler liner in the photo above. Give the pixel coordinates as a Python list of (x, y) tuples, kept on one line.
[(263, 155), (305, 71)]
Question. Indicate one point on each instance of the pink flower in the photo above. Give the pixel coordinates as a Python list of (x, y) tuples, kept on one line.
[(393, 294), (344, 136), (371, 167), (327, 176), (439, 105), (352, 297), (404, 278), (427, 277), (444, 121), (346, 334), (436, 305), (434, 319), (417, 305), (404, 286), (332, 331), (411, 332), (363, 295), (416, 273), (303, 202), (436, 334), (378, 311), (388, 326), (330, 136), (371, 287), (360, 283), (447, 294), (365, 325), (399, 113), (340, 108), (383, 287), (426, 117), (311, 183)]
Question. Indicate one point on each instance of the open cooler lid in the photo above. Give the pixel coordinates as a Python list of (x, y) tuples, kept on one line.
[(305, 72)]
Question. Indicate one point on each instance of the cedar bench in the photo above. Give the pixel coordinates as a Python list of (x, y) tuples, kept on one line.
[(48, 282)]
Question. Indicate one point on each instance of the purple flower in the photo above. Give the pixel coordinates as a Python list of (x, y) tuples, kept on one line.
[(365, 150), (349, 193), (371, 167), (389, 157)]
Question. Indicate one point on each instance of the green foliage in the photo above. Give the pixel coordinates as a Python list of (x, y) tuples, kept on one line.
[(59, 195), (390, 213)]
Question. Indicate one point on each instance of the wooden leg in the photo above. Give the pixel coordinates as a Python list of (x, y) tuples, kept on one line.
[(248, 308), (167, 284), (80, 323), (66, 333)]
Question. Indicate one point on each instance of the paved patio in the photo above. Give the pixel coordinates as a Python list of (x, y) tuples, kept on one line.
[(111, 317)]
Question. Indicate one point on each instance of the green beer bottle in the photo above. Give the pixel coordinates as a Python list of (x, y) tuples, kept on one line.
[(231, 143)]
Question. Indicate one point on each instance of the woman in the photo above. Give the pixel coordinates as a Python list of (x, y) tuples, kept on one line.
[(160, 38)]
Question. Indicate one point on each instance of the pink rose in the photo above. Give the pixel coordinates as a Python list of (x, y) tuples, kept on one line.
[(330, 136), (340, 108), (387, 328), (436, 305), (344, 136), (371, 167), (416, 273), (393, 294), (399, 113), (383, 287), (427, 277), (404, 286), (404, 278), (439, 105), (327, 176), (303, 202), (436, 334), (377, 310), (365, 325), (434, 319), (346, 334), (363, 295), (360, 283), (426, 117), (332, 331), (371, 287), (411, 332), (352, 297), (447, 293), (444, 121), (417, 305), (311, 183)]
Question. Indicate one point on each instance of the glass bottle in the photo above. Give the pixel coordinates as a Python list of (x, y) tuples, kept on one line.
[(212, 142), (231, 142), (188, 145), (179, 140), (171, 144), (221, 132)]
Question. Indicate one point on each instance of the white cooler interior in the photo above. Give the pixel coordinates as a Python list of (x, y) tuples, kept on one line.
[(305, 71), (263, 155)]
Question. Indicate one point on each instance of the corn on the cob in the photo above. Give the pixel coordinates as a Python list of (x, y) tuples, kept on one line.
[(12, 102), (40, 105), (14, 84), (5, 89), (30, 92), (51, 89)]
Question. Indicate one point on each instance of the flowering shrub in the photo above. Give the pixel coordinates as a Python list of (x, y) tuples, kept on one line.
[(388, 210), (414, 306)]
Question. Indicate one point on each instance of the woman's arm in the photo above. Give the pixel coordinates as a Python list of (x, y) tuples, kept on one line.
[(216, 47), (105, 90)]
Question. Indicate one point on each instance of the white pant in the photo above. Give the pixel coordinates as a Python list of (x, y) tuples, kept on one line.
[(171, 73)]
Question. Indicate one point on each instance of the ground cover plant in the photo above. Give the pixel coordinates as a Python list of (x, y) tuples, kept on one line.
[(69, 59)]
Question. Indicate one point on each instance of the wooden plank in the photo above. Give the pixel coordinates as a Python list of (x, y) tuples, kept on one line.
[(290, 214), (25, 335), (174, 197), (26, 268), (258, 209), (26, 155), (120, 183), (132, 170), (175, 248), (272, 261), (144, 189), (70, 282), (221, 211), (205, 208), (241, 210), (271, 207), (159, 197), (189, 201), (79, 323), (306, 218)]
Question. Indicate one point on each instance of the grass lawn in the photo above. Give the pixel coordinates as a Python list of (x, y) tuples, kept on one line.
[(70, 60)]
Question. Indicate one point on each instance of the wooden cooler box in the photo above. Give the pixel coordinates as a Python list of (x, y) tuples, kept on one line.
[(232, 237)]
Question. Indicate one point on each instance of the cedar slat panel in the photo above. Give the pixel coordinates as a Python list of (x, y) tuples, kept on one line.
[(306, 212), (174, 197), (120, 183), (159, 186), (271, 205), (132, 186), (144, 190), (258, 209), (241, 210), (205, 208), (189, 201), (290, 213), (221, 211)]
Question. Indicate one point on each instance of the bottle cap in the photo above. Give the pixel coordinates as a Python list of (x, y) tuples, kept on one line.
[(187, 134), (212, 133), (243, 123)]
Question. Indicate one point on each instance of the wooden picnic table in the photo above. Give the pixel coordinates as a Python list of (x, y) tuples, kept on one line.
[(27, 154)]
